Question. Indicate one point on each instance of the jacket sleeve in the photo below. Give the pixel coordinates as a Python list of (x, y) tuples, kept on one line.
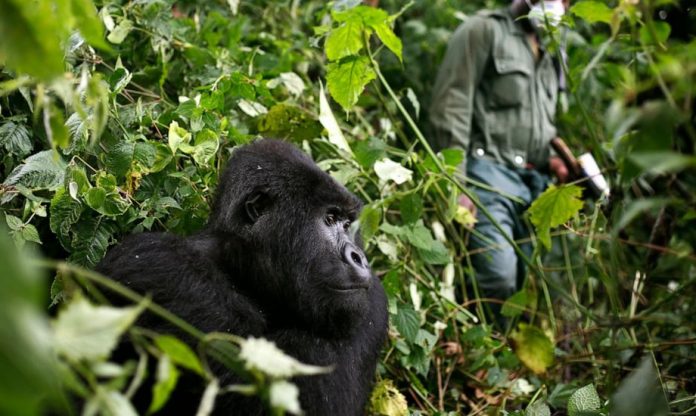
[(462, 68)]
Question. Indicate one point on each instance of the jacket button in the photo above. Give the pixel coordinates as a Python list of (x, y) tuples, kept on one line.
[(519, 160), (480, 152)]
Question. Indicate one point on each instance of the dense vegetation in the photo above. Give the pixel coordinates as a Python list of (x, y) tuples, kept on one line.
[(117, 118)]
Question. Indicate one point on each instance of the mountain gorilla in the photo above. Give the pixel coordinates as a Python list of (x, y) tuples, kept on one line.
[(276, 260)]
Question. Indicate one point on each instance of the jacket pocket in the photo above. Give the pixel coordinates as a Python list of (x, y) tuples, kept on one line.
[(510, 84)]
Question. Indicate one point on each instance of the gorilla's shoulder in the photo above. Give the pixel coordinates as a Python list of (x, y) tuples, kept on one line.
[(147, 257)]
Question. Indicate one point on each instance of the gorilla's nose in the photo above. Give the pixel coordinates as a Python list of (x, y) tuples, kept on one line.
[(355, 258)]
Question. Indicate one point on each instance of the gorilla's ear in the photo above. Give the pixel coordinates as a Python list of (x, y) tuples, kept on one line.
[(256, 204)]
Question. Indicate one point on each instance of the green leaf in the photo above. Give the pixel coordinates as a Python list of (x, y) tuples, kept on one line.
[(120, 32), (16, 138), (29, 379), (179, 352), (347, 79), (659, 163), (30, 233), (583, 400), (437, 254), (177, 136), (30, 37), (390, 40), (43, 170), (592, 11), (57, 131), (407, 322), (88, 22), (367, 152), (411, 208), (95, 198), (14, 223), (87, 332), (538, 408), (387, 400), (346, 40), (370, 219), (91, 239), (553, 208), (64, 212), (205, 146), (163, 156), (533, 348), (662, 31), (515, 304), (118, 158), (167, 376)]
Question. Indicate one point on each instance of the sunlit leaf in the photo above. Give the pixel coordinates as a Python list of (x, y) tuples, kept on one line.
[(179, 352), (592, 11), (554, 207), (263, 355), (327, 119), (345, 40), (387, 400), (87, 332), (388, 170), (285, 396), (533, 348), (167, 376), (347, 79)]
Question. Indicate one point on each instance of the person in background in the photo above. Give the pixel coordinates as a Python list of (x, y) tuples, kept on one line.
[(495, 98)]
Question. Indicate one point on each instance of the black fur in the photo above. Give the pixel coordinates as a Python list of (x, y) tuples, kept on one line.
[(276, 260)]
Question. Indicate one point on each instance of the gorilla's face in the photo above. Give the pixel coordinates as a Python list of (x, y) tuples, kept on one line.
[(294, 222)]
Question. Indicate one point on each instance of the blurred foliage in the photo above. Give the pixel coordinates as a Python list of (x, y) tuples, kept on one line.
[(117, 119)]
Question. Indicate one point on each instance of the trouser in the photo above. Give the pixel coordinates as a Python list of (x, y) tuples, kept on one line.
[(498, 270)]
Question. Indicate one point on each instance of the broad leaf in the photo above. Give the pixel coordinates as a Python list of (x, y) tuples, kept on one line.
[(533, 348), (87, 332), (592, 11), (30, 36), (16, 138), (387, 400), (407, 322), (554, 207), (263, 355), (583, 400), (179, 352), (388, 170), (43, 170), (88, 22), (91, 239), (346, 40), (347, 79)]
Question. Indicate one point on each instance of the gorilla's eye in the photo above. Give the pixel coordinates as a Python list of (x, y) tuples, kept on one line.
[(346, 225), (330, 219)]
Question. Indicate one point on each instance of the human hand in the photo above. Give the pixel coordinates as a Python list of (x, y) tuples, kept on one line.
[(559, 169)]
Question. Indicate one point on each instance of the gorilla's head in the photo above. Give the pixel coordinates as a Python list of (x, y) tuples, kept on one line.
[(286, 226)]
